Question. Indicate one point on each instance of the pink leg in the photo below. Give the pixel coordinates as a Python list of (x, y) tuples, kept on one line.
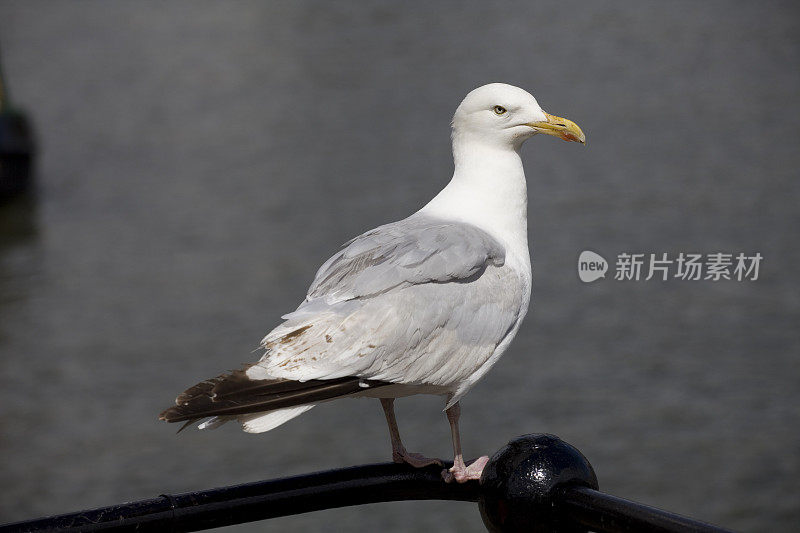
[(399, 453), (460, 472)]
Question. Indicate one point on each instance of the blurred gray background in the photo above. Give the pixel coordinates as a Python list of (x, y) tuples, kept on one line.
[(200, 160)]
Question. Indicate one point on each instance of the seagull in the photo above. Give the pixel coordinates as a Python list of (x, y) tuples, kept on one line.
[(424, 305)]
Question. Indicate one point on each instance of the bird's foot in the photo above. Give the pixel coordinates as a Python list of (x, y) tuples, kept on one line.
[(417, 460), (460, 473)]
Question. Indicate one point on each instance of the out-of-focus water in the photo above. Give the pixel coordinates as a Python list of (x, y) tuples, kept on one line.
[(200, 160)]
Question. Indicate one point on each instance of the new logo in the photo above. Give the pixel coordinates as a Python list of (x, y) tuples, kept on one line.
[(591, 266)]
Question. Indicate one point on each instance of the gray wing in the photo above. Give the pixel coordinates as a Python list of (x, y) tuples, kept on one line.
[(419, 301), (412, 251)]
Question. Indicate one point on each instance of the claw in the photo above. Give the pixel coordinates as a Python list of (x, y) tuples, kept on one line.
[(417, 460), (461, 473)]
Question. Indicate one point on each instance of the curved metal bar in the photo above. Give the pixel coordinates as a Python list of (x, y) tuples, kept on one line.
[(604, 512), (237, 504), (535, 483)]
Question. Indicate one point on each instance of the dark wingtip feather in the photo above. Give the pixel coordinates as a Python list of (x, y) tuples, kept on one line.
[(237, 394)]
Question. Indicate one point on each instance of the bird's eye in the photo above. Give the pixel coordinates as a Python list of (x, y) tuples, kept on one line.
[(499, 110)]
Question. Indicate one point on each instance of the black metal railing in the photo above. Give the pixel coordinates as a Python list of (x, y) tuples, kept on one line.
[(535, 483)]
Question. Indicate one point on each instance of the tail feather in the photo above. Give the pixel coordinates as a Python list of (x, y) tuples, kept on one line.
[(235, 394), (261, 422)]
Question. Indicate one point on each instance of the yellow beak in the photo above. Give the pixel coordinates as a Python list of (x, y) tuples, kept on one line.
[(560, 127)]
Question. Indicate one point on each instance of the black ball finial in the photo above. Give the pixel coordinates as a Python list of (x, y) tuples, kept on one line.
[(520, 482)]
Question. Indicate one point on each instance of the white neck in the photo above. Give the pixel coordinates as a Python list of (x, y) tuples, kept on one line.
[(488, 190)]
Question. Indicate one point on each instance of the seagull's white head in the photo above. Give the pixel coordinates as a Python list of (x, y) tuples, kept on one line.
[(505, 116)]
